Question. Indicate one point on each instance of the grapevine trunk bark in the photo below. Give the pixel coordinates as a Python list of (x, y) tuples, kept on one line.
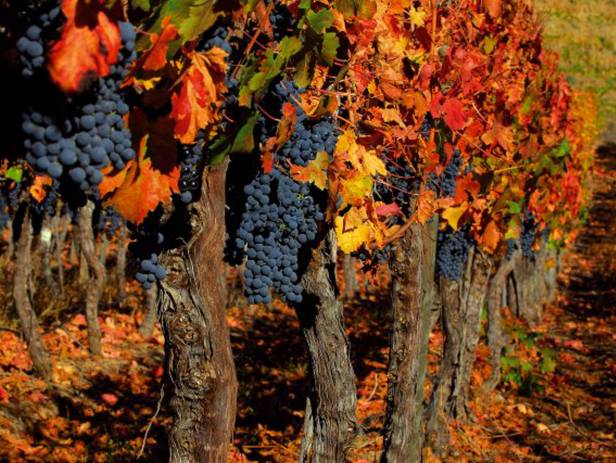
[(412, 269), (23, 266), (351, 285), (96, 271), (330, 422), (200, 373), (462, 302), (151, 313), (497, 339), (121, 261)]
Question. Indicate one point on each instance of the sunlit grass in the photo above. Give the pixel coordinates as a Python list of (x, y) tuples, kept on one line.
[(584, 33)]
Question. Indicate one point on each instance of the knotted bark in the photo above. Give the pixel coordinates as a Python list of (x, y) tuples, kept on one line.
[(330, 422), (95, 271), (497, 338), (462, 302), (200, 373), (41, 360), (412, 296)]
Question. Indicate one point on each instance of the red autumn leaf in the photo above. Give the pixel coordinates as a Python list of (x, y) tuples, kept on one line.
[(4, 396), (491, 237), (110, 399), (454, 114), (200, 95), (450, 109), (156, 57), (387, 210), (88, 45), (139, 188), (493, 7)]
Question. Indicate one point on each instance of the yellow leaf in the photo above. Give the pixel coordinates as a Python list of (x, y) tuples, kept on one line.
[(353, 230), (315, 171), (417, 17), (452, 214), (355, 189)]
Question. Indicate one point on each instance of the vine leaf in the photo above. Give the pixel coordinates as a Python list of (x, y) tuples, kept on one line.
[(139, 188), (315, 171), (450, 110), (156, 57), (491, 237), (73, 67), (196, 104)]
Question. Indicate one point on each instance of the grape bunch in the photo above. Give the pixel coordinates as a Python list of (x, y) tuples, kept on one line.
[(91, 135), (281, 215), (512, 247), (108, 220), (426, 125), (32, 45), (4, 210), (281, 20), (47, 207), (452, 253), (528, 235), (445, 184), (217, 38), (150, 271), (401, 181)]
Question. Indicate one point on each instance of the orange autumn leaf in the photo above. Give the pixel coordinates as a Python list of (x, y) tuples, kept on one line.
[(426, 205), (491, 237), (197, 103), (139, 188), (72, 67), (315, 171), (37, 190), (156, 57)]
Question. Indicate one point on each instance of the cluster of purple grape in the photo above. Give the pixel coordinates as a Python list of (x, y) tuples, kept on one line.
[(281, 20), (528, 235), (280, 214), (452, 253), (93, 133), (108, 220), (445, 184), (31, 45)]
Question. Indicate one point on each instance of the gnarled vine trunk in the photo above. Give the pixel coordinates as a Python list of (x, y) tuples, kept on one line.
[(462, 302), (351, 285), (497, 339), (200, 373), (23, 267), (150, 314), (330, 422), (96, 276), (412, 296)]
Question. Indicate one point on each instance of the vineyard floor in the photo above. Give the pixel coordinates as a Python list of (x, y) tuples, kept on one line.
[(557, 402)]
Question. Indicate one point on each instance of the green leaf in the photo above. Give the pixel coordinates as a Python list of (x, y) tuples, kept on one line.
[(330, 47), (191, 17), (15, 173), (321, 20), (143, 5), (305, 70), (364, 9), (244, 141), (289, 46), (514, 208), (563, 149)]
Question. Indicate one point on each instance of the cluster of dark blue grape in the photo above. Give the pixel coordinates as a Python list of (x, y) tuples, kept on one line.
[(528, 235), (32, 45), (452, 253), (401, 181), (445, 184), (281, 20), (281, 215), (108, 220), (217, 38), (426, 125), (191, 157), (92, 136), (150, 271), (5, 217), (512, 247), (47, 207)]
